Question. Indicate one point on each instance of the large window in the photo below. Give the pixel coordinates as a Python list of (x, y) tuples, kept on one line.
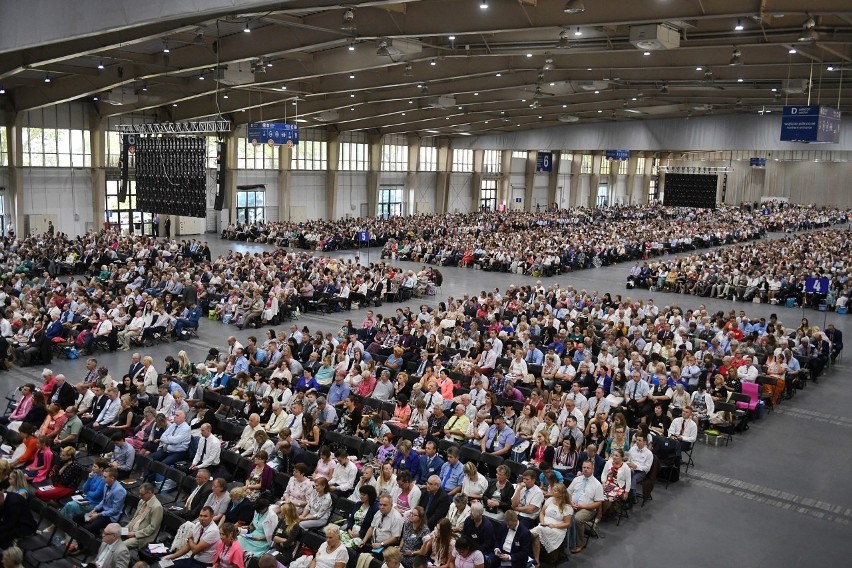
[(310, 155), (488, 195), (640, 167), (519, 154), (603, 196), (113, 148), (123, 214), (606, 167), (622, 167), (390, 202), (4, 149), (652, 189), (586, 164), (394, 158), (250, 205), (354, 157), (462, 160), (428, 159), (56, 147), (256, 157), (492, 162)]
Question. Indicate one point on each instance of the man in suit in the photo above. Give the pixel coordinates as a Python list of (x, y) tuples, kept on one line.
[(113, 553), (109, 509), (63, 394), (195, 500), (512, 542), (430, 463), (436, 502), (835, 338), (145, 524), (99, 402), (136, 368)]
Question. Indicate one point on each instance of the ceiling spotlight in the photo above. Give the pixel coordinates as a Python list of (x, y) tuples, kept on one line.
[(774, 90), (736, 58), (101, 64), (247, 28), (740, 80), (808, 32), (739, 26), (452, 38), (664, 90), (2, 91), (647, 53), (529, 54), (352, 75), (174, 104), (225, 96), (483, 4), (699, 68), (499, 74), (352, 46), (351, 95), (433, 62), (201, 76), (574, 7), (166, 48), (95, 98), (548, 64), (578, 32), (269, 64), (597, 92), (476, 94), (791, 50), (47, 78)]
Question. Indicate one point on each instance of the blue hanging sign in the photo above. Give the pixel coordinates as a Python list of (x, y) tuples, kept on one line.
[(544, 162), (757, 162), (815, 285), (814, 123), (617, 154), (273, 133)]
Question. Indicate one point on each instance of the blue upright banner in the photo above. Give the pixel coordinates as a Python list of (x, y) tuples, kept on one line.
[(363, 237), (812, 123), (273, 133), (617, 154), (544, 162), (815, 285)]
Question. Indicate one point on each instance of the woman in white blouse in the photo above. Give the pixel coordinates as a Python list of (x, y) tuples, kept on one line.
[(474, 484), (459, 512), (331, 553), (318, 509), (518, 367)]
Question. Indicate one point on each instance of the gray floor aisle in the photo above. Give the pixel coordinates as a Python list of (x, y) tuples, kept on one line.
[(778, 496)]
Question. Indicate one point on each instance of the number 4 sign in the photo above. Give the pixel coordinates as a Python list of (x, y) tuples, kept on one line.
[(815, 285)]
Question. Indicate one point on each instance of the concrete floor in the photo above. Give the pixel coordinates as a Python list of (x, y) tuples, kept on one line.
[(778, 496)]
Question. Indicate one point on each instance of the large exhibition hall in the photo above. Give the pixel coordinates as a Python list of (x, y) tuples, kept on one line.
[(425, 283)]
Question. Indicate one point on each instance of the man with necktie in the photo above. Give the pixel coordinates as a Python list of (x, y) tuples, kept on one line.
[(452, 472), (209, 451), (173, 443), (113, 553), (586, 498), (198, 496), (145, 524), (430, 463), (109, 509), (684, 430)]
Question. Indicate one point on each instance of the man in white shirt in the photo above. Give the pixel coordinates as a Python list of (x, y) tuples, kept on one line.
[(110, 410), (386, 528), (684, 430), (528, 499), (488, 362), (166, 401), (598, 404), (747, 371), (586, 498), (294, 421), (247, 437), (209, 451), (277, 420), (201, 544), (580, 400), (433, 398), (639, 460), (343, 477), (566, 370)]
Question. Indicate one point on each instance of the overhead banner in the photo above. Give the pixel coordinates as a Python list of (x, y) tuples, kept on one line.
[(812, 124), (617, 154), (758, 163), (273, 133), (544, 162)]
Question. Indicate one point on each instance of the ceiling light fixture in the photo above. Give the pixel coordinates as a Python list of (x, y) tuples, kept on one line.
[(95, 98), (101, 64), (174, 104), (736, 58), (574, 7), (408, 72), (699, 68), (830, 67), (247, 29), (529, 54), (647, 53), (2, 91), (548, 64), (791, 50), (483, 4), (739, 26), (452, 38), (47, 78), (433, 62), (499, 74), (166, 48), (808, 32), (352, 75), (352, 46), (225, 96), (201, 76), (578, 32), (740, 80)]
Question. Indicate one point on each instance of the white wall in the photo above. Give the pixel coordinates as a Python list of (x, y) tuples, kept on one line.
[(64, 192), (307, 190), (459, 200), (351, 193), (424, 192)]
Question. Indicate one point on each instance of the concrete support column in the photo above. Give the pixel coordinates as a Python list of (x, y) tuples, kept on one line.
[(15, 200), (631, 177), (505, 176), (476, 179), (594, 179), (97, 142), (332, 178), (553, 178), (285, 157), (374, 142), (574, 190), (412, 178), (646, 180), (529, 180), (232, 141), (442, 179)]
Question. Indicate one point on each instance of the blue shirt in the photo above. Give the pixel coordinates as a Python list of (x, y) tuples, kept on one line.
[(337, 393), (307, 385), (535, 357), (494, 441), (559, 478), (174, 387), (412, 463), (241, 365), (451, 476), (113, 504), (93, 489), (176, 438)]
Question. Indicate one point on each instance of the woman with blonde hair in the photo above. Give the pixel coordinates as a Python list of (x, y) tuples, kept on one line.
[(184, 366), (554, 520), (288, 534)]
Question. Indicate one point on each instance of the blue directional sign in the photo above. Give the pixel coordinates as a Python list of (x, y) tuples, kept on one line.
[(544, 162), (757, 162), (273, 133), (812, 123), (617, 154), (815, 285)]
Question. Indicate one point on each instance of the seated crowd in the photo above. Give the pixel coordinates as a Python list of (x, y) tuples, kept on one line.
[(507, 425), (773, 271)]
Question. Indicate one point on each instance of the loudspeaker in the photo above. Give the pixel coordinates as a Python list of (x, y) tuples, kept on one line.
[(221, 150), (128, 146)]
